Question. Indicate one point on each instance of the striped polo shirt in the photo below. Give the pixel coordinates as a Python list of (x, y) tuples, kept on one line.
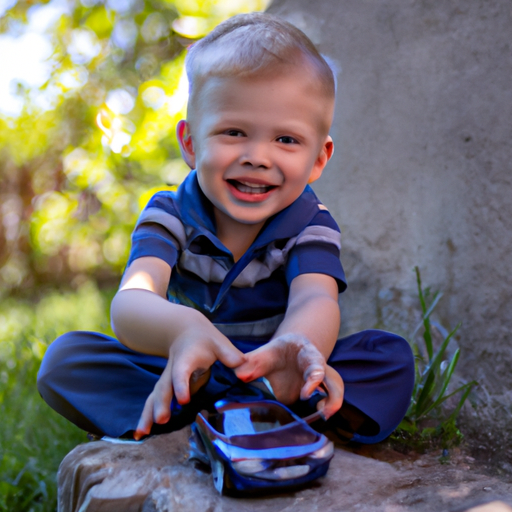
[(246, 299)]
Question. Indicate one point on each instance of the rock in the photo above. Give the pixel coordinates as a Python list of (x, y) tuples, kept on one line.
[(156, 476), (494, 506)]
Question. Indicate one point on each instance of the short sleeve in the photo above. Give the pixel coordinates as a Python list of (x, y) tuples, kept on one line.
[(158, 232), (317, 251)]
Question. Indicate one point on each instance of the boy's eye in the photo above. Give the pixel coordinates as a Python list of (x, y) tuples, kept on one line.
[(286, 139), (234, 133)]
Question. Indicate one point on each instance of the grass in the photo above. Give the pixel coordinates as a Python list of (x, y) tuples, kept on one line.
[(34, 439), (428, 420)]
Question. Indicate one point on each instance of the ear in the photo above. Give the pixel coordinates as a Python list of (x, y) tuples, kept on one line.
[(185, 142), (323, 157)]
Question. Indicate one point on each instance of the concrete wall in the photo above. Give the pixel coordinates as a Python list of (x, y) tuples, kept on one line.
[(422, 168)]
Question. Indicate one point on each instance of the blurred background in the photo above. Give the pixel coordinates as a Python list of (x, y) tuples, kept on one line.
[(90, 94)]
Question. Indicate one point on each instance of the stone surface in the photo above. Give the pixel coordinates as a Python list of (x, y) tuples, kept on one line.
[(421, 172), (493, 506), (156, 476)]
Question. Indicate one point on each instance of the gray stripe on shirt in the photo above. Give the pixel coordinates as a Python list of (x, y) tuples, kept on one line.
[(211, 270), (258, 328), (319, 234), (167, 220)]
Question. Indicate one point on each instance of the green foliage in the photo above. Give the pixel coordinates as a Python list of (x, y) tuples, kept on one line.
[(432, 388), (77, 163), (34, 439)]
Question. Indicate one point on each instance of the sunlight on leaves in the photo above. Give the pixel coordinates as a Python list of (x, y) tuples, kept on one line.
[(94, 134)]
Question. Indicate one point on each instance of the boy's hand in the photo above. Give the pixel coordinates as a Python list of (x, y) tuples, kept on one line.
[(295, 368), (188, 368)]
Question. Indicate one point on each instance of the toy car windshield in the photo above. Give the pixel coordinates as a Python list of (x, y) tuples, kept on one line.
[(259, 445)]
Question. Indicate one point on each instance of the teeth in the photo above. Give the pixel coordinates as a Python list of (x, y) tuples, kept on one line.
[(253, 185), (250, 188)]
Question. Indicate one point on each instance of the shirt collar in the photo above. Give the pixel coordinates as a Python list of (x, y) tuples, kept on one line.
[(195, 208)]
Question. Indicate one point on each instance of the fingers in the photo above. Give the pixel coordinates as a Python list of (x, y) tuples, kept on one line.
[(187, 370), (291, 362), (250, 370), (194, 357), (181, 383), (157, 408), (198, 379), (189, 363), (162, 395), (278, 354), (314, 376), (258, 363), (335, 391), (145, 421), (313, 365), (230, 356)]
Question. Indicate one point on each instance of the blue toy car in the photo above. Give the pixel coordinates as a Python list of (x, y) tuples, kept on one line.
[(261, 445)]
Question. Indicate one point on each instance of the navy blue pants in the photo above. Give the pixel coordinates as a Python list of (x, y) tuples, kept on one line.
[(101, 386)]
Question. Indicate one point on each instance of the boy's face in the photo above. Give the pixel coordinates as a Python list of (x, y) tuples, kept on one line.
[(256, 143)]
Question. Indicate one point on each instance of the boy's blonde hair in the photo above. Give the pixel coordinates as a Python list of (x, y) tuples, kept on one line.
[(251, 44)]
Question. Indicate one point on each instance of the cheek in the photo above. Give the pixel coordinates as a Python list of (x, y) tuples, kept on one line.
[(295, 161), (216, 158), (211, 181), (297, 169)]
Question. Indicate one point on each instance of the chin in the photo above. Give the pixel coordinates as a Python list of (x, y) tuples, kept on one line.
[(247, 217)]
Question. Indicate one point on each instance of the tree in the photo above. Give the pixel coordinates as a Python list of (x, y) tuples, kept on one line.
[(93, 143)]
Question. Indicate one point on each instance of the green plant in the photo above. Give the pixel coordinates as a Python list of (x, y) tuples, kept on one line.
[(33, 442), (434, 372), (33, 438)]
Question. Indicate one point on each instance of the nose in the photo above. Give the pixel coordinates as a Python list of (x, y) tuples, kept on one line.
[(256, 154)]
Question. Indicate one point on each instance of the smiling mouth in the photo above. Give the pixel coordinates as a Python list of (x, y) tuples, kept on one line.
[(251, 188)]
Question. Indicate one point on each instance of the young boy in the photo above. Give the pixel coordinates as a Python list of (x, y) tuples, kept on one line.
[(236, 275)]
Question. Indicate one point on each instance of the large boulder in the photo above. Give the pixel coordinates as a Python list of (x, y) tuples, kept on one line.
[(157, 476)]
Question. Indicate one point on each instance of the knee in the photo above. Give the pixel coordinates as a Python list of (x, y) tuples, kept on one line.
[(399, 351), (392, 344), (405, 356), (401, 357), (391, 351), (53, 360)]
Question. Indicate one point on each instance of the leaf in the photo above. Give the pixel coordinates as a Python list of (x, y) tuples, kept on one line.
[(426, 323), (425, 394), (426, 399), (446, 380), (408, 426), (468, 387), (436, 299)]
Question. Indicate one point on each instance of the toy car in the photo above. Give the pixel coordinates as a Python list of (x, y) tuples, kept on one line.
[(259, 445)]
